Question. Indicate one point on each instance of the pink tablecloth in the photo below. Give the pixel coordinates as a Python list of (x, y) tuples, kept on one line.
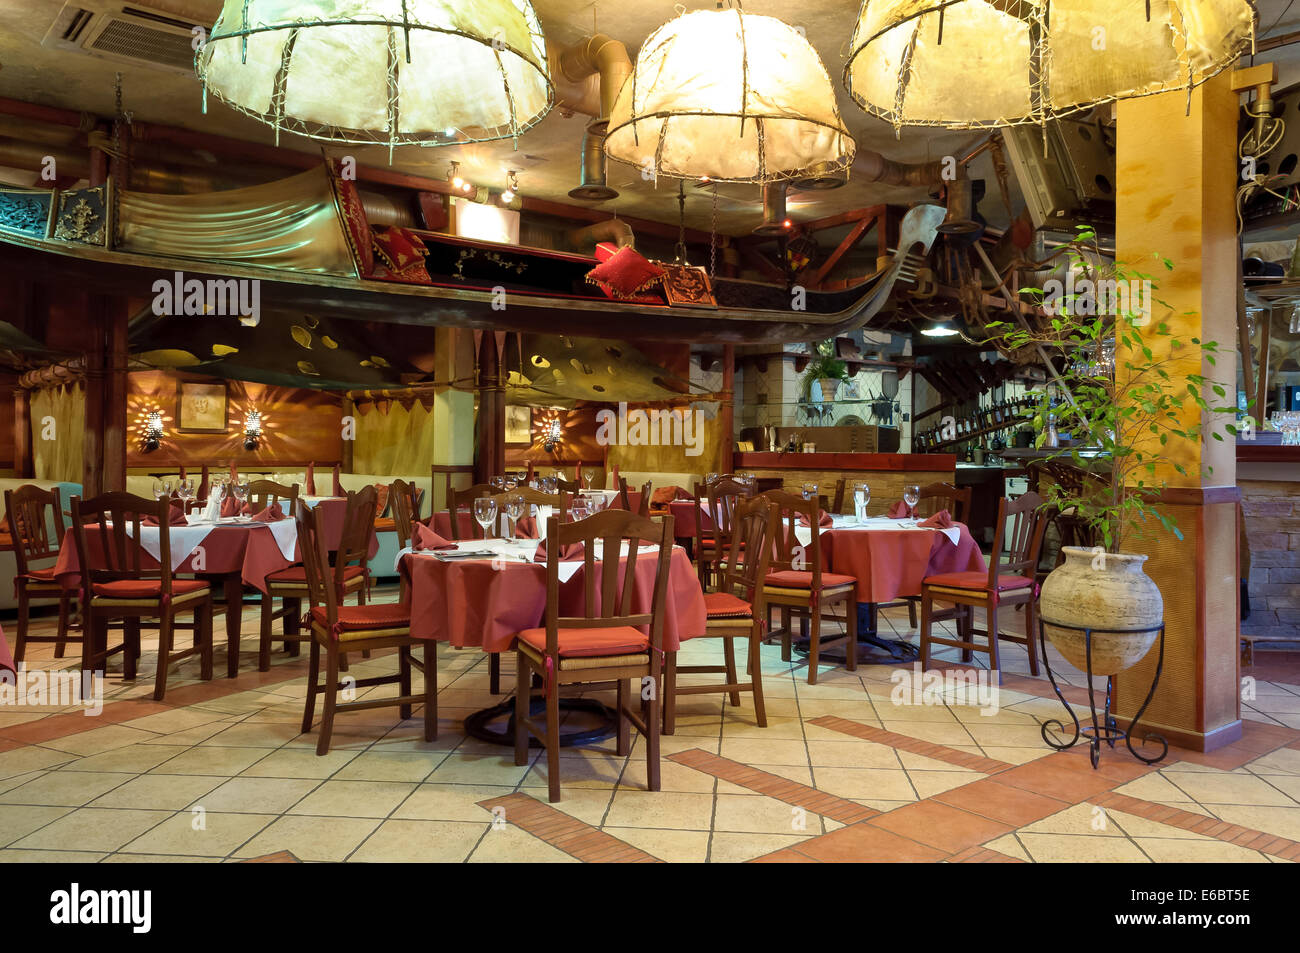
[(891, 563), (6, 659), (486, 602), (683, 512)]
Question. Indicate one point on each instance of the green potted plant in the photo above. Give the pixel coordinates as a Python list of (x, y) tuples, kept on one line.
[(1128, 398), (824, 373)]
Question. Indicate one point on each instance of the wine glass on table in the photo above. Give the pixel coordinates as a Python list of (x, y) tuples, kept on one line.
[(161, 489), (485, 514), (514, 510), (861, 497), (240, 489), (588, 479), (578, 509), (185, 490), (911, 496)]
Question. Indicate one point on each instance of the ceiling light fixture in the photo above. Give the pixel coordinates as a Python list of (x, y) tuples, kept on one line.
[(378, 71), (977, 63), (940, 329), (512, 187), (728, 96)]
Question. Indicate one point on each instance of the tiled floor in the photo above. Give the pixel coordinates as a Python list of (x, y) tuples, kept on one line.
[(220, 772)]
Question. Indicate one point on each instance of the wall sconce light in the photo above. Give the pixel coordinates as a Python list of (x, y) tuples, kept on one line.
[(252, 429), (554, 435), (512, 187), (153, 431), (457, 182)]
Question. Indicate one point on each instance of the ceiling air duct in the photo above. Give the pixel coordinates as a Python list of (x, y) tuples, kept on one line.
[(588, 77), (774, 221)]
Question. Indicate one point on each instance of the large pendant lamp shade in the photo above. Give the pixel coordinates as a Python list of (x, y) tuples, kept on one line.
[(731, 96), (974, 63), (396, 72)]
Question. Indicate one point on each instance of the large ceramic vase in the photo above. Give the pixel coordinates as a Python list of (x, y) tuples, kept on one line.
[(828, 387), (1102, 591)]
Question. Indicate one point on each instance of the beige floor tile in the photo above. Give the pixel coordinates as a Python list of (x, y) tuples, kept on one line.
[(164, 792), (493, 769), (449, 802), (1141, 827), (1155, 787), (758, 751), (1067, 848), (1082, 819), (1278, 821), (28, 759), (17, 821), (735, 848), (740, 724), (248, 795), (99, 740), (170, 722), (311, 838), (935, 732), (756, 814), (18, 780), (1233, 789), (92, 828), (14, 856), (1281, 761), (674, 810), (422, 842), (939, 714), (852, 754), (878, 783), (1204, 850), (159, 859), (672, 777), (1288, 784), (1007, 844), (212, 761), (199, 833), (375, 765), (354, 799), (262, 734), (298, 763), (65, 788), (589, 805), (510, 845), (671, 846), (133, 759)]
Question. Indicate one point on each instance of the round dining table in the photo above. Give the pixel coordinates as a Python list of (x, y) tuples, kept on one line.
[(484, 601)]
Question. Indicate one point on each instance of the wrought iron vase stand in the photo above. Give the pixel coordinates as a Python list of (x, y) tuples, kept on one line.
[(1103, 727)]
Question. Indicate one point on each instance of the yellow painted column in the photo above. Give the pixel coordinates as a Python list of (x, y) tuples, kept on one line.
[(1176, 182), (453, 406)]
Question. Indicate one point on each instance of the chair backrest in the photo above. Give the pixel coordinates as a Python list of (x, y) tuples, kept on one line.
[(751, 551), (1021, 541), (404, 504), (559, 502), (443, 475), (787, 552), (721, 497), (567, 486), (316, 563), (625, 500), (358, 525), (837, 505), (28, 526), (112, 550), (463, 500), (944, 496), (610, 593), (262, 493)]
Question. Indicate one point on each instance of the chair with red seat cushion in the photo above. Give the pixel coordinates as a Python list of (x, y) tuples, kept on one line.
[(798, 587), (1009, 582), (735, 611), (933, 498), (713, 539), (610, 641), (290, 585), (264, 493), (29, 514), (117, 586), (337, 630)]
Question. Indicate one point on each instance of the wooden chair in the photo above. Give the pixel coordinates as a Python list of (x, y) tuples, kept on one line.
[(797, 586), (837, 504), (337, 629), (625, 500), (933, 498), (447, 474), (458, 499), (117, 587), (29, 528), (607, 643), (404, 505), (568, 486), (713, 541), (735, 611), (262, 493), (350, 574), (1010, 582)]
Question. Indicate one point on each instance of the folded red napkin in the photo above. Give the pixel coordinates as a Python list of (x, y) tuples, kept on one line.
[(898, 511), (270, 514), (567, 551), (425, 538), (823, 519), (177, 518), (311, 478), (940, 520), (230, 506), (526, 528)]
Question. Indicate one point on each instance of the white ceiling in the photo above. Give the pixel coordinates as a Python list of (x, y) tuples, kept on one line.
[(548, 155)]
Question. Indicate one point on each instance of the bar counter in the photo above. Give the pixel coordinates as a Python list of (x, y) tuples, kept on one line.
[(885, 473)]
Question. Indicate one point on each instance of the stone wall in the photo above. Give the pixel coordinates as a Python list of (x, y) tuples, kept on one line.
[(1272, 517)]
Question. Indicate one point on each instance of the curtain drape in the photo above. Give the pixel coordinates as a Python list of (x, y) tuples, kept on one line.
[(394, 441), (58, 417)]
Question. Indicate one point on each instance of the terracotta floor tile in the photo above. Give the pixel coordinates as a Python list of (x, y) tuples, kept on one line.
[(1001, 802), (864, 843), (940, 825)]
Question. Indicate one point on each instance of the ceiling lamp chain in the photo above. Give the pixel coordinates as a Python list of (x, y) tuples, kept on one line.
[(707, 66), (433, 72), (912, 62)]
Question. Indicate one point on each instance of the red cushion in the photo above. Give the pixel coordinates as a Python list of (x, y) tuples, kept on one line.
[(381, 498), (389, 615), (145, 588), (401, 252), (583, 643), (356, 227), (299, 574), (663, 495), (625, 274), (794, 579), (41, 575), (723, 605), (976, 580)]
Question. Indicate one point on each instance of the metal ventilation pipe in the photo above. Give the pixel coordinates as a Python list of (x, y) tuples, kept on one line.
[(774, 217), (612, 229), (590, 73)]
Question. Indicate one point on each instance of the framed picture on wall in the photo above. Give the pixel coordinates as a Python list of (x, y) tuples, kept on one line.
[(519, 424), (201, 407)]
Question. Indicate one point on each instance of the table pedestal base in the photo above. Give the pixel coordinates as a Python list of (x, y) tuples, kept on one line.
[(496, 725), (872, 648)]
